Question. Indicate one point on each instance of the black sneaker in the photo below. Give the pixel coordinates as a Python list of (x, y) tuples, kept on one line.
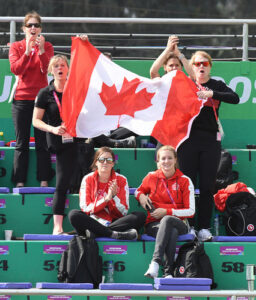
[(129, 142), (130, 234)]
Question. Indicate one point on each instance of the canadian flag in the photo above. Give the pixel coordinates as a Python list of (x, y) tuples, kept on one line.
[(101, 96)]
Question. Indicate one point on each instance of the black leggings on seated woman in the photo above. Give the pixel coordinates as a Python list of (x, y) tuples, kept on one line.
[(81, 222)]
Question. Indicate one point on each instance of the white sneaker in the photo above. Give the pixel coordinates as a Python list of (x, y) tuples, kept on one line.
[(168, 276), (153, 269), (204, 235), (192, 231)]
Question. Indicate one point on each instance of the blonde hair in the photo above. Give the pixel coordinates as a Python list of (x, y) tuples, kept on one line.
[(169, 148), (54, 59), (202, 53), (32, 14)]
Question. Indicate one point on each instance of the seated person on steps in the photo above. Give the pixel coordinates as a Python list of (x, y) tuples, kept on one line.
[(168, 196), (104, 200)]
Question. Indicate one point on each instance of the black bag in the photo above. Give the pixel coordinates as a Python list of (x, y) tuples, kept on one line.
[(193, 262), (81, 262), (225, 175), (240, 214)]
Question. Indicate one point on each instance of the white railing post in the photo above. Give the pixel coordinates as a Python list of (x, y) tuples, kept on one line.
[(12, 32), (245, 42)]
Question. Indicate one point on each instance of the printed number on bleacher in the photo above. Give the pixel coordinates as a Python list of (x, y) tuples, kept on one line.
[(51, 265), (4, 265), (237, 267)]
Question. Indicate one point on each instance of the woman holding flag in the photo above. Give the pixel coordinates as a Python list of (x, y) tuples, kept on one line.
[(199, 155), (48, 102)]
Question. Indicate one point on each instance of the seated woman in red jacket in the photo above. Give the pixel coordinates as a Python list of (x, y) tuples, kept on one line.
[(168, 195), (104, 200)]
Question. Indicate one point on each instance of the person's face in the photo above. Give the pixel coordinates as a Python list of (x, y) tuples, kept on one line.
[(105, 163), (31, 28), (172, 64), (60, 69), (202, 72), (167, 161)]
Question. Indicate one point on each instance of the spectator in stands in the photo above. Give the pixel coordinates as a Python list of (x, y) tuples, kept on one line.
[(168, 196), (200, 153), (29, 61), (48, 102), (104, 200)]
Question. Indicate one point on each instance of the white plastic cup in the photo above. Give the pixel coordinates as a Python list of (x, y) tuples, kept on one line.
[(8, 234)]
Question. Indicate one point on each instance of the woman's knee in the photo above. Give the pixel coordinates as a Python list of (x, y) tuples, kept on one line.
[(73, 215)]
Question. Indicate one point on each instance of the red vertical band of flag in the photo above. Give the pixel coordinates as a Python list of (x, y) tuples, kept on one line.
[(83, 59)]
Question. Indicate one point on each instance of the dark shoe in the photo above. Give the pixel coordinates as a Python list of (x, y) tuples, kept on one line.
[(130, 142), (130, 234)]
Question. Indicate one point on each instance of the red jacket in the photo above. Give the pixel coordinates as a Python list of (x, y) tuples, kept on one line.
[(31, 70), (93, 204), (181, 190)]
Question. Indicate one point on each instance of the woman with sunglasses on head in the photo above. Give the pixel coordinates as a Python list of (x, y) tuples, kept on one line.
[(29, 61), (104, 201), (168, 196), (199, 155), (48, 103)]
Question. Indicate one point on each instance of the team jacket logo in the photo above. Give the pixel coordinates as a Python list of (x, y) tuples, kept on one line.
[(250, 227), (175, 186), (181, 270)]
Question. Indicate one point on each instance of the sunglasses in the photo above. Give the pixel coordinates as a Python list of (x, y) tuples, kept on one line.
[(108, 160), (199, 63), (36, 25)]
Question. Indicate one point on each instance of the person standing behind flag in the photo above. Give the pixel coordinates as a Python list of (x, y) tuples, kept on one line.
[(168, 196), (199, 155), (48, 102), (29, 61)]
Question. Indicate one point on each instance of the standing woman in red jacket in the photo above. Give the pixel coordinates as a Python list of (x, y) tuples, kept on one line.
[(29, 61), (168, 196)]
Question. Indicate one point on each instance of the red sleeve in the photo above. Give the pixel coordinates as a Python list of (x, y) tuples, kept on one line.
[(18, 61), (119, 205), (144, 188), (45, 57)]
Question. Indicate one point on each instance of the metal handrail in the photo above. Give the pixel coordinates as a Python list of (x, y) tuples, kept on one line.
[(178, 21)]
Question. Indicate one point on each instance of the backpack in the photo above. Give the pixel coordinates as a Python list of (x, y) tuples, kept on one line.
[(193, 262), (225, 175), (239, 214), (81, 262)]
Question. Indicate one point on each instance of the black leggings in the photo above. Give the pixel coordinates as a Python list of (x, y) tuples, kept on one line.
[(65, 166), (81, 222), (199, 156)]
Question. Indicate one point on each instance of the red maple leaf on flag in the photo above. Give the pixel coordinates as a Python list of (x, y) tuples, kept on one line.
[(126, 102)]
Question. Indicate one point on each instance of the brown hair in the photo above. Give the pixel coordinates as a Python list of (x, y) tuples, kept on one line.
[(98, 153), (32, 14), (169, 148), (170, 57), (202, 53), (54, 59)]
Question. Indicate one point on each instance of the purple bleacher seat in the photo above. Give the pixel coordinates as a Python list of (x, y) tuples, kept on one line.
[(125, 286), (181, 238), (15, 285), (182, 287), (2, 143), (67, 286), (47, 237), (183, 281), (34, 190), (234, 239), (4, 190)]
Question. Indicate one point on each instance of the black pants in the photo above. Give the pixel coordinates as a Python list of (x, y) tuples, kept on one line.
[(166, 233), (199, 156), (81, 222), (65, 165), (22, 112)]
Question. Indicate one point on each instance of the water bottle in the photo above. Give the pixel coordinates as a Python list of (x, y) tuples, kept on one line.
[(2, 143), (110, 272), (216, 224)]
